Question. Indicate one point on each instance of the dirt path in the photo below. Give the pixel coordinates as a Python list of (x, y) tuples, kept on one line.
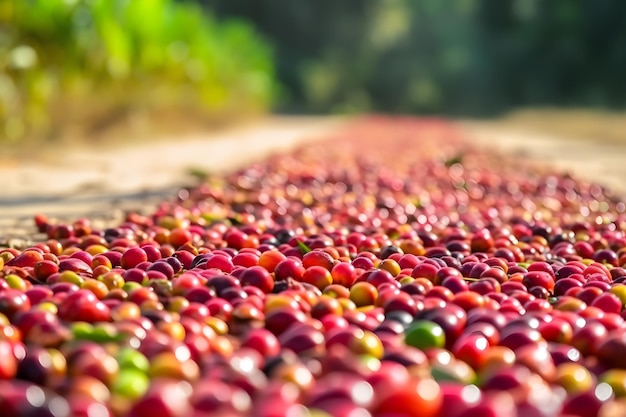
[(103, 184), (600, 159)]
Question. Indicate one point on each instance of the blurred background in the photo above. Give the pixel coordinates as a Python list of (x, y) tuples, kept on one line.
[(92, 67)]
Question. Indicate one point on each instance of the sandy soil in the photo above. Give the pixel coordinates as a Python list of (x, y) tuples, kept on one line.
[(599, 159), (103, 182)]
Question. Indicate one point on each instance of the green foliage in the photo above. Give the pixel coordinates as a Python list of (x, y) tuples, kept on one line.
[(304, 249), (458, 57), (82, 62)]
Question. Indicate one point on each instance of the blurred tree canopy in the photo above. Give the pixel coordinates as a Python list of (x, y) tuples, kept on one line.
[(458, 57), (93, 62), (89, 63)]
